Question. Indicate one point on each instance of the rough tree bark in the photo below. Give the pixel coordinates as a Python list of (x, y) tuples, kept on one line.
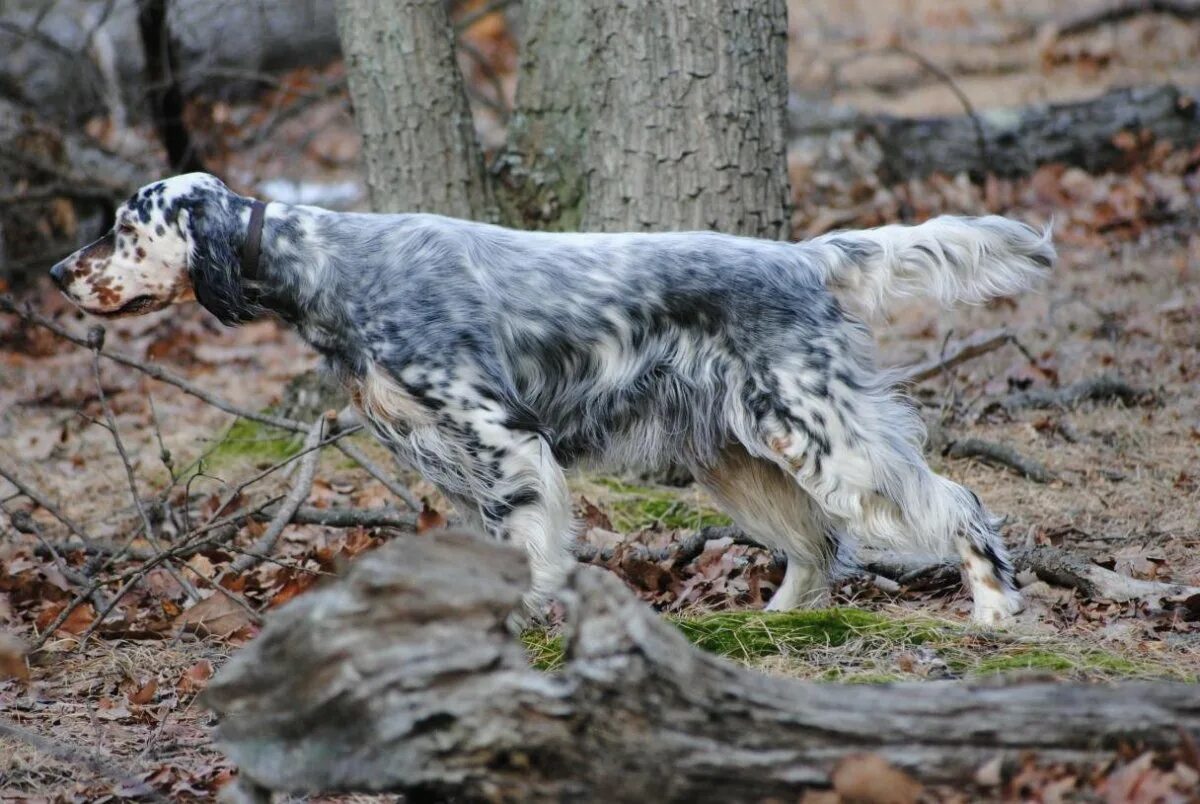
[(403, 677), (635, 116), (418, 138), (651, 115)]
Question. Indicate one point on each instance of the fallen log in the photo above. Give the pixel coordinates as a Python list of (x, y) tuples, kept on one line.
[(1015, 142), (41, 166), (1050, 564), (402, 677)]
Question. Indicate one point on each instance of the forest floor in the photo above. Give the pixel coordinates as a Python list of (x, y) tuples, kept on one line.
[(118, 712)]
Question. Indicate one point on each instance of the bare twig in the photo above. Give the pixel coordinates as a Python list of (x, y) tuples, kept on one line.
[(969, 349), (352, 452), (948, 80), (275, 467), (1001, 455), (26, 314), (934, 70), (352, 517), (7, 305), (26, 524), (283, 515), (96, 339), (11, 476)]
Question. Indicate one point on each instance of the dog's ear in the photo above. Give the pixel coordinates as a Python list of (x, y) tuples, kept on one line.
[(215, 267)]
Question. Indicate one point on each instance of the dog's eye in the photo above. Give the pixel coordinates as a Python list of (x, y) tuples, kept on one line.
[(125, 228)]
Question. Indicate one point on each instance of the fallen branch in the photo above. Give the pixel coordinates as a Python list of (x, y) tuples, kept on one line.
[(1119, 12), (282, 517), (1001, 455), (1095, 389), (9, 474), (969, 349), (1018, 141), (1053, 565), (1061, 568), (678, 553), (351, 517), (401, 677)]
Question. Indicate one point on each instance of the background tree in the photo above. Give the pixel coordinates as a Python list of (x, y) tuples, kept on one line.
[(642, 116)]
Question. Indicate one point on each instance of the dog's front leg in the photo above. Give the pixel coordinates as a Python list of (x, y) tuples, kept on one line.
[(524, 499), (500, 477)]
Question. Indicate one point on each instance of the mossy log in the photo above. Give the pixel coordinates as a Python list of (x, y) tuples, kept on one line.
[(404, 677)]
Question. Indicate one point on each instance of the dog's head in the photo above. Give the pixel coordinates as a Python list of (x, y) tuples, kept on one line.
[(174, 240)]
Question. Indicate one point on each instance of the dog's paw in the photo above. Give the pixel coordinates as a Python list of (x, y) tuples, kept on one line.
[(996, 607)]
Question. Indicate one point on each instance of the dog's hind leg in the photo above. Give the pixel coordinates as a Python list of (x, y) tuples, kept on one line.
[(855, 450), (771, 508)]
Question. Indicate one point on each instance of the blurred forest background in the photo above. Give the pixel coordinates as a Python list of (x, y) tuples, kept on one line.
[(135, 511)]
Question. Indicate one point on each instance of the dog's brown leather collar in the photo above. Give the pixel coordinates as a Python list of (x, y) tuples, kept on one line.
[(253, 241)]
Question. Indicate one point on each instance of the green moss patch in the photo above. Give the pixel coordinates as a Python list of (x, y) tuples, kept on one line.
[(745, 635), (545, 648), (852, 645), (255, 443), (631, 507)]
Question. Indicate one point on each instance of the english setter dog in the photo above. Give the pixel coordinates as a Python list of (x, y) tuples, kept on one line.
[(491, 359)]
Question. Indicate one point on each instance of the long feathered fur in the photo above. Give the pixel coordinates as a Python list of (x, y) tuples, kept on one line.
[(490, 359), (950, 259)]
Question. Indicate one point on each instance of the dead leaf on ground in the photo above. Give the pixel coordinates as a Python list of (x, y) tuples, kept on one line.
[(144, 694), (12, 658), (196, 677), (429, 518), (216, 615), (76, 623), (871, 779)]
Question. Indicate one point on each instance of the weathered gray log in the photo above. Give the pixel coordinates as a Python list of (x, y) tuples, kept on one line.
[(41, 164), (403, 677), (1016, 141), (69, 56)]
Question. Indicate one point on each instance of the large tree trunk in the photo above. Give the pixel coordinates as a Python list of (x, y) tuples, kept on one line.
[(635, 116), (418, 138), (651, 116), (403, 677)]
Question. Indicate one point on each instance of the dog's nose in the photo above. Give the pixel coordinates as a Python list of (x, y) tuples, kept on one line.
[(59, 274)]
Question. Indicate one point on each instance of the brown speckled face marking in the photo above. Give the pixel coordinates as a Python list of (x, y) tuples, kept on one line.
[(138, 267)]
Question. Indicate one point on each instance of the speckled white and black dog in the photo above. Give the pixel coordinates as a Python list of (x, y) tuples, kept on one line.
[(490, 359)]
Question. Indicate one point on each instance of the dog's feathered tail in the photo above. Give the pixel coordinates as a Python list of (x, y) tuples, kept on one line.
[(951, 259)]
